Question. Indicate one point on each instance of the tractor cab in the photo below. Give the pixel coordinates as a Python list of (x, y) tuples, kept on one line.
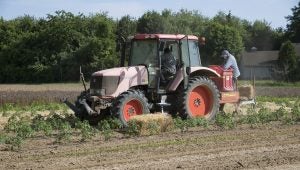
[(148, 50)]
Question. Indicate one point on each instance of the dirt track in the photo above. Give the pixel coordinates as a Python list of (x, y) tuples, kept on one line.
[(268, 146)]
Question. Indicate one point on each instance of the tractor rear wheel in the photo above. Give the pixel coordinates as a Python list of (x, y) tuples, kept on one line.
[(200, 99), (129, 104)]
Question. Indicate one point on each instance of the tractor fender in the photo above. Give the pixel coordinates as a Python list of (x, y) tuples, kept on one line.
[(194, 71), (203, 71), (128, 77)]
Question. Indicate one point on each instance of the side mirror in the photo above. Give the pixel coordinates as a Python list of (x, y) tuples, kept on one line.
[(202, 40)]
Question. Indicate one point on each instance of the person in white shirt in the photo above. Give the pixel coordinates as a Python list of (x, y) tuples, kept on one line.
[(230, 62)]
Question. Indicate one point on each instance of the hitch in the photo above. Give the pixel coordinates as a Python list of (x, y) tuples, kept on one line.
[(70, 105), (89, 110)]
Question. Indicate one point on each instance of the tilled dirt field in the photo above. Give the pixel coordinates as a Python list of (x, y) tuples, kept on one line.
[(271, 146), (28, 94)]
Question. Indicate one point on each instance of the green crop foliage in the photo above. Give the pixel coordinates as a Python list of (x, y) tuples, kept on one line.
[(133, 128), (264, 116), (225, 121), (183, 125), (197, 122), (2, 138), (296, 111), (115, 123), (15, 142), (64, 133), (40, 124), (87, 132), (105, 128)]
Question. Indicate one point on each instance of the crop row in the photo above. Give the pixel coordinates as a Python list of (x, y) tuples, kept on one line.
[(65, 127)]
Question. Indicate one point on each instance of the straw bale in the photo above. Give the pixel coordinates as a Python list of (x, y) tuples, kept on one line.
[(246, 92), (150, 124)]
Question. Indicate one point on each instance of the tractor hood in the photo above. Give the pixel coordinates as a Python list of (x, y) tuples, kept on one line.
[(112, 82)]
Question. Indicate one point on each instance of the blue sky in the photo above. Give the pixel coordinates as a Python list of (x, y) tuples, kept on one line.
[(273, 11)]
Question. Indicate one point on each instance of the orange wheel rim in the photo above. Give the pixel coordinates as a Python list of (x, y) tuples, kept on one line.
[(132, 108), (200, 101)]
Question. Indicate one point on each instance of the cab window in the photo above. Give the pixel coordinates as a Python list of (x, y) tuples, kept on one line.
[(194, 53)]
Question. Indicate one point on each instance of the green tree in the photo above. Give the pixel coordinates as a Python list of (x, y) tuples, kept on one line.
[(287, 59), (188, 22), (242, 26), (151, 22), (262, 36), (293, 28), (220, 37), (126, 26), (52, 49)]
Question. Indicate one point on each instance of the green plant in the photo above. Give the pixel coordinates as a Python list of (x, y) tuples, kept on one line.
[(264, 116), (19, 125), (278, 114), (197, 122), (294, 116), (24, 130), (87, 132), (252, 119), (39, 124), (133, 128), (105, 129), (181, 124), (12, 123), (15, 142), (2, 138), (115, 123), (64, 132), (225, 121), (5, 108)]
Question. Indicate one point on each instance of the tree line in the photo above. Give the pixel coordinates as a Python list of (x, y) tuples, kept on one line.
[(51, 49)]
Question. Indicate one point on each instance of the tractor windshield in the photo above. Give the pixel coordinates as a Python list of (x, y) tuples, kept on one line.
[(144, 52)]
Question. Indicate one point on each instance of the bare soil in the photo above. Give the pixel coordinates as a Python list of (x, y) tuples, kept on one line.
[(27, 94), (272, 146)]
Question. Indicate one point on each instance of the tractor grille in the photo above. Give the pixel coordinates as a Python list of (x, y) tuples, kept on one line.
[(105, 85)]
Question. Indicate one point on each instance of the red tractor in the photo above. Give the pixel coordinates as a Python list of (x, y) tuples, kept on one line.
[(194, 91)]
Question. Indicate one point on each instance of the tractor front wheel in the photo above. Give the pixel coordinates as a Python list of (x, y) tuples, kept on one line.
[(129, 104), (200, 99)]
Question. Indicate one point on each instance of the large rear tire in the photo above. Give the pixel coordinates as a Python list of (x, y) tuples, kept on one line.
[(200, 99), (129, 104)]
